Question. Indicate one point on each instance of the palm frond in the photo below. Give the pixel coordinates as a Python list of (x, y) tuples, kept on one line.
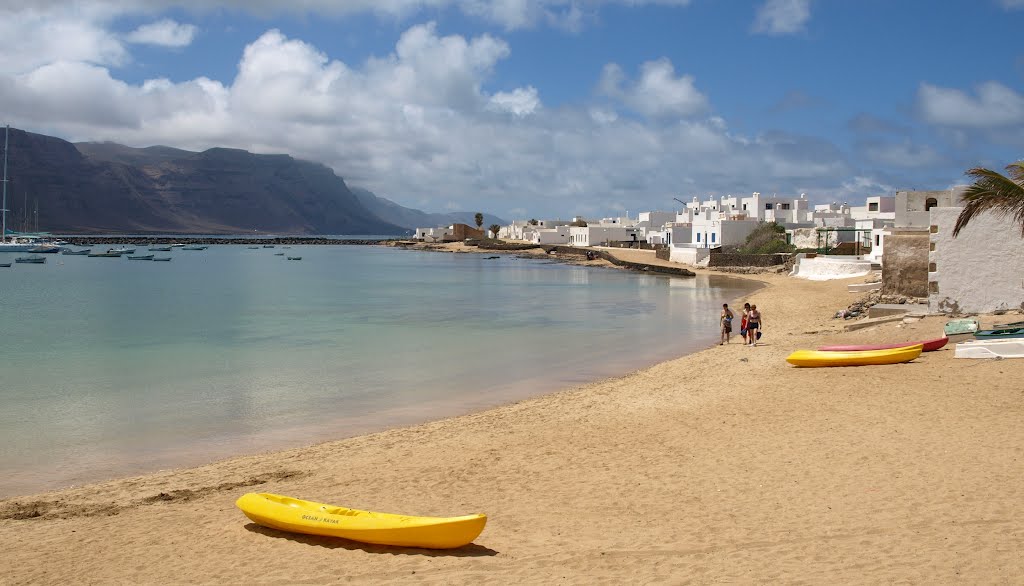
[(993, 191)]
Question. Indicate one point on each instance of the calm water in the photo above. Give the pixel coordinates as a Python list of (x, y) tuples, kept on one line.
[(111, 367)]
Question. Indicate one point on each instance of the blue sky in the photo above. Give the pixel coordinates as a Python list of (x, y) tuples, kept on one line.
[(549, 108)]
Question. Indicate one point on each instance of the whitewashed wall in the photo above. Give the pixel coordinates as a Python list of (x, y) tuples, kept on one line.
[(689, 255), (980, 271)]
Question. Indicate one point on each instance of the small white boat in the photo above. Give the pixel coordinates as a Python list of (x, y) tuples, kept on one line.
[(1005, 348)]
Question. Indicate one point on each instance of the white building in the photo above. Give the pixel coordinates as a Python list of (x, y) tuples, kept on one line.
[(598, 235)]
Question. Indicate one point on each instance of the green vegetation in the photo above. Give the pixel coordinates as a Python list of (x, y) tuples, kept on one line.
[(494, 228), (479, 219), (767, 238), (994, 192)]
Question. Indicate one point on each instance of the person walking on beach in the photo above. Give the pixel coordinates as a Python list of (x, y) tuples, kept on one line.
[(754, 322), (726, 322), (743, 322)]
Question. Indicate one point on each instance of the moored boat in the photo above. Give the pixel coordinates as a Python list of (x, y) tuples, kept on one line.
[(45, 248), (1012, 348), (927, 346), (4, 265), (294, 258), (159, 248), (999, 333), (82, 252), (312, 518), (34, 260), (962, 326), (141, 257), (122, 250), (162, 258), (1016, 324), (816, 358), (107, 254), (194, 247)]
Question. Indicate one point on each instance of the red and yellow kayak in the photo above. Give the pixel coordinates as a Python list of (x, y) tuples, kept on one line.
[(299, 516), (928, 346), (815, 358)]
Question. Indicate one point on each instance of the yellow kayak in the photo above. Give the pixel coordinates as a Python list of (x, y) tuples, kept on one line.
[(299, 516), (855, 358)]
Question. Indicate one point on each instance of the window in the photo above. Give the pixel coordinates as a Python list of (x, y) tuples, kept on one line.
[(783, 206), (767, 206), (873, 206), (744, 207), (713, 237), (930, 203), (878, 239)]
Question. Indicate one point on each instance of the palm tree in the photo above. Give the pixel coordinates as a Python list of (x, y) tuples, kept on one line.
[(495, 228), (992, 191), (479, 219)]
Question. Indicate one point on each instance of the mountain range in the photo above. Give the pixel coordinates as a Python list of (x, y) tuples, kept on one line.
[(106, 187)]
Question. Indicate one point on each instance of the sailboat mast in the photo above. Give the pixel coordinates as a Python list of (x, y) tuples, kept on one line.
[(3, 231)]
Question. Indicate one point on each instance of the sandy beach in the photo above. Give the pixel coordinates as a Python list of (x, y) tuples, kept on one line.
[(728, 465)]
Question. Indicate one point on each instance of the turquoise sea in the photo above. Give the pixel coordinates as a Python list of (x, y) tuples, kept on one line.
[(111, 367)]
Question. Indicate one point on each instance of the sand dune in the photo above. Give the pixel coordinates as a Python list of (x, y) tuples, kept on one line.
[(724, 466)]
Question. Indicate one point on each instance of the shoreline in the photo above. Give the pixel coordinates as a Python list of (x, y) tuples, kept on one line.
[(722, 465)]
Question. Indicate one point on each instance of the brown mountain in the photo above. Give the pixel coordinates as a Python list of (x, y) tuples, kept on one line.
[(111, 188)]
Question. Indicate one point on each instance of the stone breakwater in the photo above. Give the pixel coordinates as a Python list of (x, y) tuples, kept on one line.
[(167, 240)]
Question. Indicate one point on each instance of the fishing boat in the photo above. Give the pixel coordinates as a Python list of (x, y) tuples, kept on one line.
[(268, 246), (194, 247), (312, 518), (159, 248), (177, 245), (162, 258), (294, 258), (122, 250), (34, 260), (107, 254), (5, 265), (967, 325), (83, 252), (1012, 348), (45, 248), (254, 248), (141, 257), (278, 254), (999, 333), (928, 346), (815, 358)]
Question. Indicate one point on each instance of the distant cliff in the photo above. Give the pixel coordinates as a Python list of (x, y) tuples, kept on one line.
[(411, 218), (110, 188)]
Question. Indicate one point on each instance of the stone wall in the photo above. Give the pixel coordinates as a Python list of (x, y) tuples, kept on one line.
[(722, 259), (905, 263), (981, 270)]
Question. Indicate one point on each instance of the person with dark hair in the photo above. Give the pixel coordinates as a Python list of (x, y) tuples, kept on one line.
[(754, 322), (726, 323), (743, 322)]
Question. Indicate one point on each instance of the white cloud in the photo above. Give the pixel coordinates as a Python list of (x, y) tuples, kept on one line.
[(415, 125), (657, 93), (520, 102), (995, 105), (164, 33), (510, 14), (32, 38), (782, 17)]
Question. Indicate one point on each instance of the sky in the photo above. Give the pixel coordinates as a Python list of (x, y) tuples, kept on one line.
[(540, 109)]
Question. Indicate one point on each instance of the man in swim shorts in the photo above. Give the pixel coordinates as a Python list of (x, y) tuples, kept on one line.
[(726, 322)]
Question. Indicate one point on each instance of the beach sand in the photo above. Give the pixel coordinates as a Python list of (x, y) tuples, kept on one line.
[(728, 465)]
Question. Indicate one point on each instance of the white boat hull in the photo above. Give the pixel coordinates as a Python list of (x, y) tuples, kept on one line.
[(990, 349), (17, 246)]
